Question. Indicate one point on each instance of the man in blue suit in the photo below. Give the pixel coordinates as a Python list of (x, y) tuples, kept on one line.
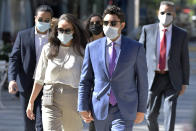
[(115, 67), (25, 54)]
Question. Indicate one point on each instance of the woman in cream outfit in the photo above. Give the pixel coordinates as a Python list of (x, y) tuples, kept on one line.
[(58, 72)]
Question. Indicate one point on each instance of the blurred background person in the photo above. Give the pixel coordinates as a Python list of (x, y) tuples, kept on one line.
[(22, 62), (58, 73), (94, 27)]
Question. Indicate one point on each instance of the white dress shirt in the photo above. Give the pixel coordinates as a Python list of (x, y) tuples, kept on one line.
[(168, 44), (109, 50), (40, 41)]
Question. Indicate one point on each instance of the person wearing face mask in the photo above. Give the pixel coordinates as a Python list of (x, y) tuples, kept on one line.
[(94, 27), (23, 60), (115, 67), (167, 56), (58, 73)]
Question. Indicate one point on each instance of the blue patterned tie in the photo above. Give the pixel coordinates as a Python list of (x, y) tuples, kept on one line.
[(112, 58)]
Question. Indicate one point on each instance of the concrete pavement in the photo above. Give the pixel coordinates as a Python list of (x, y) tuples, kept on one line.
[(11, 116)]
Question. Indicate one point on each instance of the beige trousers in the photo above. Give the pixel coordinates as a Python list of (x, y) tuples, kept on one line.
[(62, 115)]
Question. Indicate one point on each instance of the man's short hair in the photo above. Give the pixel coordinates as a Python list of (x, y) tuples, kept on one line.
[(114, 10), (44, 8), (168, 3)]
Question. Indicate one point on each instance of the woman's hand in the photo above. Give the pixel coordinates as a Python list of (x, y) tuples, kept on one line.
[(29, 111), (86, 116)]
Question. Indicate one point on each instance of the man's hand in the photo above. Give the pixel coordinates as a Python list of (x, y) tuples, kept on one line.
[(139, 117), (12, 87), (86, 116), (182, 90)]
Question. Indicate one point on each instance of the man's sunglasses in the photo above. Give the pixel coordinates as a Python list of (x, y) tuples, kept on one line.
[(66, 31), (95, 23), (112, 23), (41, 20), (167, 13)]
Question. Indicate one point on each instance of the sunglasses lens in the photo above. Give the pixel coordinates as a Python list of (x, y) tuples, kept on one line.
[(67, 31), (105, 23), (60, 30), (162, 13), (40, 20), (47, 21), (97, 22), (91, 23), (113, 23), (168, 13)]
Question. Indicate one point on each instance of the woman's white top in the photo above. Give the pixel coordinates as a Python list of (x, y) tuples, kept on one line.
[(63, 69)]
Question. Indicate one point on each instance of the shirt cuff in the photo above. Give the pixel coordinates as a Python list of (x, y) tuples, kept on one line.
[(39, 82)]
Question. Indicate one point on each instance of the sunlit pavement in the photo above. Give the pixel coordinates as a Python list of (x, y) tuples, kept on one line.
[(11, 116)]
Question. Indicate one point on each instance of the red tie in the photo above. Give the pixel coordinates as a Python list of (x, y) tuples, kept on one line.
[(162, 57)]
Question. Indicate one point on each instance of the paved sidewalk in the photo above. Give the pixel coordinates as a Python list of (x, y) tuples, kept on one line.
[(11, 120)]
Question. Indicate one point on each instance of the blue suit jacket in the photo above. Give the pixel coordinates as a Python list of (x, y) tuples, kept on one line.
[(128, 82), (22, 60)]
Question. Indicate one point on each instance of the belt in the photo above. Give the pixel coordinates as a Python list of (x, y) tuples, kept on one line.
[(161, 72), (113, 105)]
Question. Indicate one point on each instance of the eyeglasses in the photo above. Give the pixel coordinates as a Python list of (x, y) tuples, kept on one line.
[(41, 20), (167, 13), (112, 23), (66, 31), (95, 23)]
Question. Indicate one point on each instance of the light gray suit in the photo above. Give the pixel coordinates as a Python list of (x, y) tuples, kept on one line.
[(170, 84)]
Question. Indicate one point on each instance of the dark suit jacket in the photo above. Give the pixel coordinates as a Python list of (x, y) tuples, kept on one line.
[(22, 60), (128, 82), (178, 62)]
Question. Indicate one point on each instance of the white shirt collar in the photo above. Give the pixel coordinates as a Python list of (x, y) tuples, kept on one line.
[(118, 41), (161, 27)]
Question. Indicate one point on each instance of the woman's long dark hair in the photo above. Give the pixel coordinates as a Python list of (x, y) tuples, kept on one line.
[(79, 40), (88, 23)]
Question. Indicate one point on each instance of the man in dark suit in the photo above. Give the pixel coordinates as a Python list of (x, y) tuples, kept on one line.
[(168, 66), (117, 67), (22, 63)]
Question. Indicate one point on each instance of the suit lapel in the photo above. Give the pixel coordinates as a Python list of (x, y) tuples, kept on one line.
[(122, 52), (103, 57), (154, 41), (121, 55), (172, 40), (32, 42)]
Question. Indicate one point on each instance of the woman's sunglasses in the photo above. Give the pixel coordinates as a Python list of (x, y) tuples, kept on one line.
[(66, 31), (95, 23)]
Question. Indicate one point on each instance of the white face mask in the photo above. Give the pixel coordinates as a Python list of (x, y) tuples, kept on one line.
[(165, 20), (64, 38), (42, 26), (110, 32)]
